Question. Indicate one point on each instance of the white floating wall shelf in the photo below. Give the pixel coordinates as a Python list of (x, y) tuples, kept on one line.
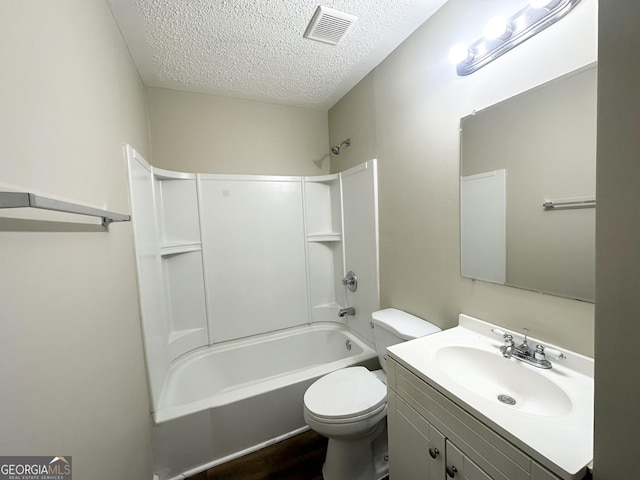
[(22, 200)]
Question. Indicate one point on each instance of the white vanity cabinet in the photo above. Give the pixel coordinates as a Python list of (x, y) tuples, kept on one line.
[(432, 438), (417, 450), (461, 466)]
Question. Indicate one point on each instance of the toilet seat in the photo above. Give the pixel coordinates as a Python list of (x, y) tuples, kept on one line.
[(346, 395)]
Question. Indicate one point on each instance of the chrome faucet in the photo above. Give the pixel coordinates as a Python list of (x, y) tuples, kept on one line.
[(524, 353), (507, 348), (346, 311)]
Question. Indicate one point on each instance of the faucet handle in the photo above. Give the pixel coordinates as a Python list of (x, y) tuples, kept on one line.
[(497, 331), (541, 352), (507, 337), (350, 281)]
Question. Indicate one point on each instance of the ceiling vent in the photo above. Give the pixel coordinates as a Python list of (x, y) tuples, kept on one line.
[(329, 25)]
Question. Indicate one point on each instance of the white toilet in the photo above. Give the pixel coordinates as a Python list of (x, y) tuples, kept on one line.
[(349, 406)]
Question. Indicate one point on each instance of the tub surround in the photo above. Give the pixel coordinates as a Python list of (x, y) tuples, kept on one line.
[(229, 265), (224, 257)]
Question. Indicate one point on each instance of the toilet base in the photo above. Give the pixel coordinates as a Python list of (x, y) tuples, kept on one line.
[(359, 459)]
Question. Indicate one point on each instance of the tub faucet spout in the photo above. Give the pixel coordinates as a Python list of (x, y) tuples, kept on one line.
[(346, 311)]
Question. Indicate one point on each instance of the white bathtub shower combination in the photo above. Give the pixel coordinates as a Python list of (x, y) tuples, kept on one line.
[(227, 400), (240, 284)]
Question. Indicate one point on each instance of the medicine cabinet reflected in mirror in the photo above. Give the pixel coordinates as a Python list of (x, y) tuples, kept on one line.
[(534, 148)]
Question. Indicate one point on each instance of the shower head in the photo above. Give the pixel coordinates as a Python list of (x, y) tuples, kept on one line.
[(336, 150)]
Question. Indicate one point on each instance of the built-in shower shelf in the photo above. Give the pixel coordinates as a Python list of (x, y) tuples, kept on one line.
[(168, 249), (325, 237)]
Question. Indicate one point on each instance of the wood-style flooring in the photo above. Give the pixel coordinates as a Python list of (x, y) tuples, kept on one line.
[(297, 458)]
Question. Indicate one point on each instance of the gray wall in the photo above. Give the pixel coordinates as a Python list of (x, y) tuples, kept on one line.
[(618, 242), (409, 109), (191, 132), (354, 117), (71, 364)]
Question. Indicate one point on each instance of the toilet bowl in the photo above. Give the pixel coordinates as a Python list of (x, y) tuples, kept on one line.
[(349, 406)]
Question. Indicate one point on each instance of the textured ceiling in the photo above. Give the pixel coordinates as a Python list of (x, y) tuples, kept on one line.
[(255, 48)]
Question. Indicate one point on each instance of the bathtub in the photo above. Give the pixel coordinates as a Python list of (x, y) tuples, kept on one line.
[(233, 398)]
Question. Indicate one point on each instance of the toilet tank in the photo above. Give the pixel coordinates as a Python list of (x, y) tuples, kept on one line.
[(392, 326)]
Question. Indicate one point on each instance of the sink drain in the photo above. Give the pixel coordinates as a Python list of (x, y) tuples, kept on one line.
[(507, 399)]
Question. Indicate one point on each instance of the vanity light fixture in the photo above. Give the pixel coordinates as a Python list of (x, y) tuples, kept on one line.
[(502, 34), (540, 3), (496, 28), (459, 53)]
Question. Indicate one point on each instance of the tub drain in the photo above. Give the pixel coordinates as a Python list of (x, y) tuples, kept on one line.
[(507, 399)]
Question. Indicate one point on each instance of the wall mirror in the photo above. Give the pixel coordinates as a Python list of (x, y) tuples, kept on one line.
[(527, 188)]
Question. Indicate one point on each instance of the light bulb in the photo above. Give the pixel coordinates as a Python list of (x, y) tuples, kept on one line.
[(459, 53), (496, 27)]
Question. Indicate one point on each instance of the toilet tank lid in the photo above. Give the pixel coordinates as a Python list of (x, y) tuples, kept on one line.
[(403, 324)]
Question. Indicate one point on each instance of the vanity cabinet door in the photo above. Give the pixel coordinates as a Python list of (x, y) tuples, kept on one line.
[(416, 449), (459, 466), (538, 472)]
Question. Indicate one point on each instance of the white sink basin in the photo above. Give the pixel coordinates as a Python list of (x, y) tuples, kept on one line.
[(509, 382), (548, 413)]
